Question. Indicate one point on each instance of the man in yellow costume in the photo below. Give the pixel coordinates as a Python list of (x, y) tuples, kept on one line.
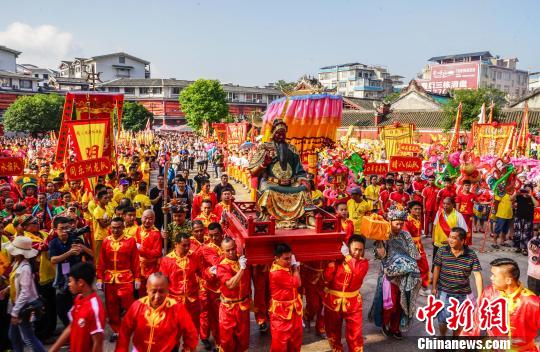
[(283, 182)]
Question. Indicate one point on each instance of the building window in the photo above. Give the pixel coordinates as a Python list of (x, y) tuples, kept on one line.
[(249, 97), (129, 90), (5, 82), (143, 90), (122, 59), (156, 90), (499, 75), (176, 90), (232, 96), (45, 76), (25, 84), (114, 89)]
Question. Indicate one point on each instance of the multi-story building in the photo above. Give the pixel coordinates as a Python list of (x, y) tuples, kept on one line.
[(160, 97), (10, 79), (110, 67), (534, 80), (473, 71), (358, 80)]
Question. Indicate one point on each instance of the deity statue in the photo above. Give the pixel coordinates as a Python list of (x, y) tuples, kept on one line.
[(283, 182)]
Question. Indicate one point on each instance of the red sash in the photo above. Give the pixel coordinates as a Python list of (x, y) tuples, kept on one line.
[(443, 224)]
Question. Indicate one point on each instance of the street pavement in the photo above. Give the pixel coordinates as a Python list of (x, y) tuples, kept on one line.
[(373, 339)]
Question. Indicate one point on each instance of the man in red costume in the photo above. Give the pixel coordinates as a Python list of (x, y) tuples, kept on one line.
[(235, 299), (430, 205), (211, 254), (286, 303), (205, 194), (413, 226), (523, 307), (117, 269), (384, 195), (342, 299), (157, 322), (182, 268), (150, 245), (261, 295), (418, 186), (399, 196), (225, 206), (465, 201), (207, 216), (449, 191), (346, 224)]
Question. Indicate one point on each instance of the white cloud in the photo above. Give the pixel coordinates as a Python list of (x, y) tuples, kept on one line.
[(43, 46)]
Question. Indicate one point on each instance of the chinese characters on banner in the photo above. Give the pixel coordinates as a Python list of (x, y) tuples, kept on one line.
[(89, 138), (236, 133), (394, 135), (375, 169), (220, 132), (410, 148), (446, 77), (11, 166), (405, 164), (89, 168), (492, 139), (492, 314), (86, 107)]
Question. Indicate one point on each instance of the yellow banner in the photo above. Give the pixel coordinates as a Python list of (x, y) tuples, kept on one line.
[(89, 137), (493, 139), (394, 135)]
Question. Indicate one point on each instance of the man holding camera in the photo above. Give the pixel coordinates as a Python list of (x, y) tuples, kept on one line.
[(65, 250)]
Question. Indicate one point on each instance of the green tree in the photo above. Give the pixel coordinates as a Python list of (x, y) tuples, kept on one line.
[(390, 98), (135, 116), (284, 86), (34, 113), (471, 104), (203, 100)]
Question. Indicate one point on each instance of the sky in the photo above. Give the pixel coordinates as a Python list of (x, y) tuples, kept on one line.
[(252, 42)]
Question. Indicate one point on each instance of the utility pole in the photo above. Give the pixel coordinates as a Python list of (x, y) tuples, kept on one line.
[(92, 77)]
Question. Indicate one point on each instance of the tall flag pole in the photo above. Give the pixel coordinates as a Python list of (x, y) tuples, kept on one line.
[(455, 138), (491, 112), (482, 115), (521, 145)]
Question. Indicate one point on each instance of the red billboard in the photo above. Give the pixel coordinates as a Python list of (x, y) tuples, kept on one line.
[(445, 77)]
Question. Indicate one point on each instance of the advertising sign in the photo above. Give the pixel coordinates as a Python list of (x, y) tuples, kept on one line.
[(445, 77)]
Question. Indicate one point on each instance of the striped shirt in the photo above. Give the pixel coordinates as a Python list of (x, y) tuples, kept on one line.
[(455, 271)]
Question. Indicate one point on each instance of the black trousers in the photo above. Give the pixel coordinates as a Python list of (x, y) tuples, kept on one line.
[(64, 302), (5, 319), (46, 326)]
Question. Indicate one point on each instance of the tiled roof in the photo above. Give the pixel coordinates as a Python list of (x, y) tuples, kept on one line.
[(366, 104), (70, 80), (427, 119), (119, 54), (17, 75)]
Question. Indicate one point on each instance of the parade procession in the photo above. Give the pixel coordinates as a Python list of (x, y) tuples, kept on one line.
[(349, 210)]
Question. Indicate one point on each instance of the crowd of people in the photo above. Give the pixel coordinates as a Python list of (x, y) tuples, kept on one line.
[(154, 264)]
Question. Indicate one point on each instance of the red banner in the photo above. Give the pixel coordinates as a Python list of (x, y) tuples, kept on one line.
[(11, 166), (536, 218), (375, 169), (409, 148), (89, 168), (405, 164), (236, 133), (220, 132), (87, 106)]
